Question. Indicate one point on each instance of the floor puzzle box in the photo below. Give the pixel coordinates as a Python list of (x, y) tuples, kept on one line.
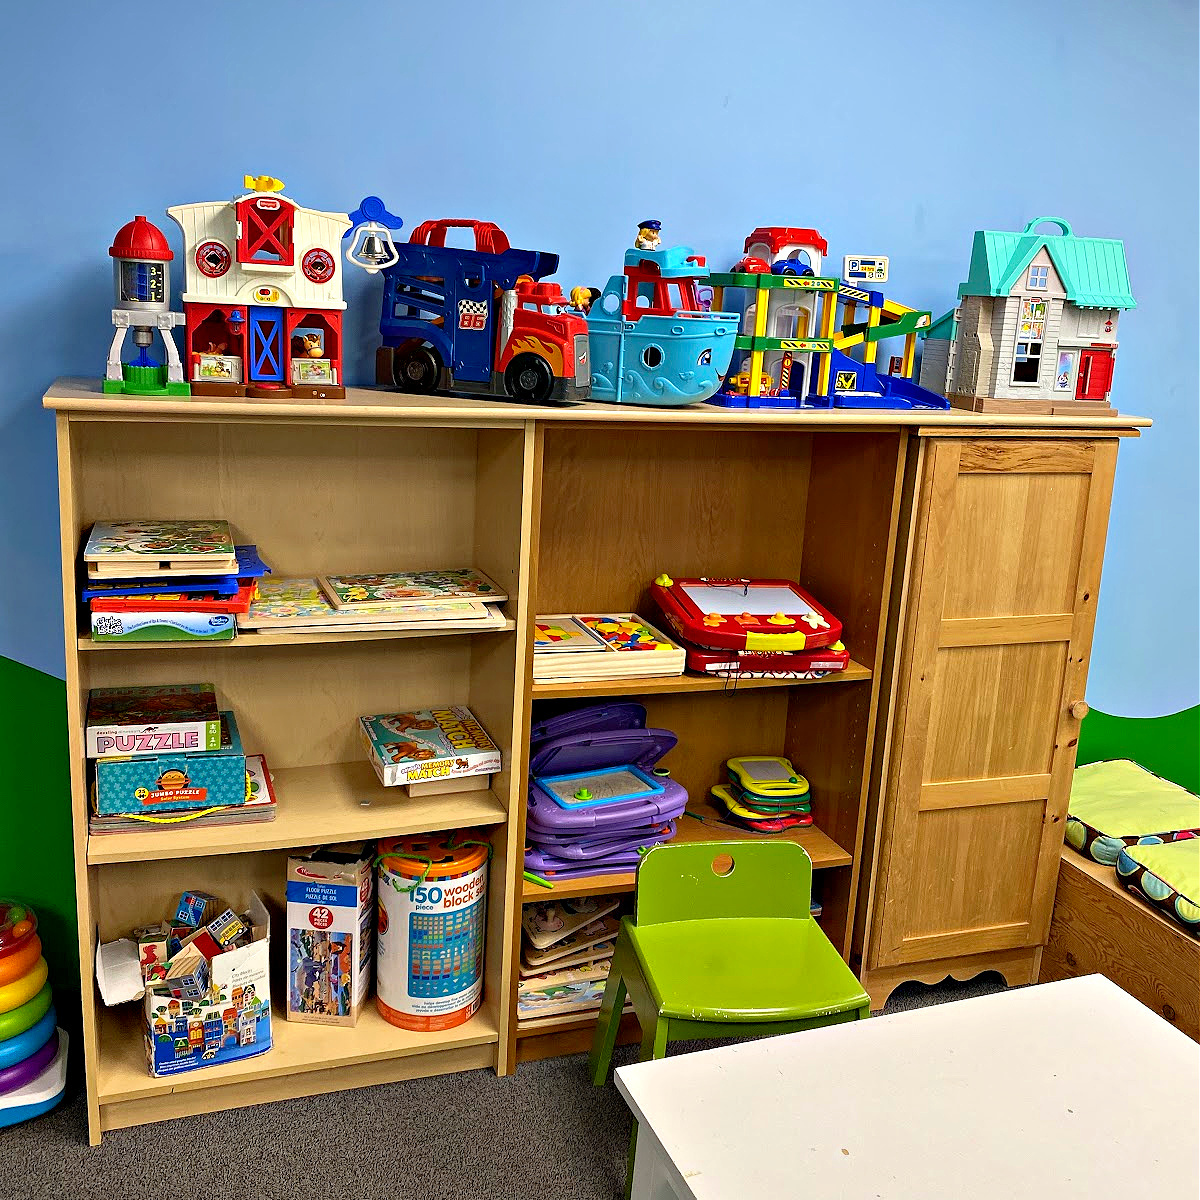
[(330, 919)]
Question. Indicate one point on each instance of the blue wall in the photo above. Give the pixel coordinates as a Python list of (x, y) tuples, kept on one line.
[(565, 124)]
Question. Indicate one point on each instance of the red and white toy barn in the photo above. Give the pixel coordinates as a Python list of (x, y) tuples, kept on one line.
[(262, 295)]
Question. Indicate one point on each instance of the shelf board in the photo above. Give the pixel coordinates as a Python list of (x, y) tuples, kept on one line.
[(588, 885), (822, 849), (297, 1048), (315, 805), (248, 639), (686, 683)]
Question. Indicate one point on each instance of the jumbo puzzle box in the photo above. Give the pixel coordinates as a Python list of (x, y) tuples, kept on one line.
[(180, 718), (428, 745)]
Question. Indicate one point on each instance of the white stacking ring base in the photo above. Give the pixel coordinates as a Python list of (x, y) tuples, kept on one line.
[(40, 1094)]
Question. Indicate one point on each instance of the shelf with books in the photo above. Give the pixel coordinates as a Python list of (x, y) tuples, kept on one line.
[(854, 673), (303, 1060), (335, 802), (250, 639)]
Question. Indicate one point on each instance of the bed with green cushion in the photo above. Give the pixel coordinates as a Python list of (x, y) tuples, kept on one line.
[(1167, 875), (1115, 805)]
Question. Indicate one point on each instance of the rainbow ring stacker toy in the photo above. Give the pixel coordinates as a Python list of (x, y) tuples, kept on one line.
[(745, 614), (33, 1050)]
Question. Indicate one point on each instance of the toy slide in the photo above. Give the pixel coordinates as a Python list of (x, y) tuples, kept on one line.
[(858, 385), (899, 321)]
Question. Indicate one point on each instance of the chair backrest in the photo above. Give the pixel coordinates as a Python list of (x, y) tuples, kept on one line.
[(691, 881)]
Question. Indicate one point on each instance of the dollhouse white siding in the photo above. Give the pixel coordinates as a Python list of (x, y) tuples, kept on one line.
[(218, 220), (973, 366), (935, 365)]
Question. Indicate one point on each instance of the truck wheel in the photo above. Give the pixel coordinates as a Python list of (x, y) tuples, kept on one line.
[(416, 369), (529, 377)]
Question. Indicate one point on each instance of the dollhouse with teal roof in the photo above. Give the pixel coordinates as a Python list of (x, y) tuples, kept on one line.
[(1035, 329)]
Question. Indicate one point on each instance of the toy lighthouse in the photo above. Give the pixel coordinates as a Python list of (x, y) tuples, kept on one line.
[(142, 284)]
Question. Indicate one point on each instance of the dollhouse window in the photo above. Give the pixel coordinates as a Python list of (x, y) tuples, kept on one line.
[(1039, 278), (1027, 362), (265, 231)]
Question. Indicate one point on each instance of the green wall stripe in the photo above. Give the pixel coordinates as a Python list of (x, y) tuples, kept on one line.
[(36, 860), (1169, 745)]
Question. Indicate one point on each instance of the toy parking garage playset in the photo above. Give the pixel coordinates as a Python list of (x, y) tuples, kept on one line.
[(263, 309)]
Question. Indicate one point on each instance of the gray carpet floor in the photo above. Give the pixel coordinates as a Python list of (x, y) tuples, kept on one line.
[(543, 1132)]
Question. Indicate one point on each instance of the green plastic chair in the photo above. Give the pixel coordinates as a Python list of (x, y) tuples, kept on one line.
[(722, 951), (723, 955)]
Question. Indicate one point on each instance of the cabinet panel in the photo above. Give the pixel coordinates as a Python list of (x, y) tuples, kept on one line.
[(1014, 543), (1008, 544), (993, 710)]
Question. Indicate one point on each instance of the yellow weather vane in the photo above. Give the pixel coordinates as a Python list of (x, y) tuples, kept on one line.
[(262, 183)]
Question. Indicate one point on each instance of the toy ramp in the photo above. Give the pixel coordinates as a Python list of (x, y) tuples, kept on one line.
[(857, 385), (898, 320)]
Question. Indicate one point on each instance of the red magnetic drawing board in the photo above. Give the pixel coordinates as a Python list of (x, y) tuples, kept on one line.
[(745, 614)]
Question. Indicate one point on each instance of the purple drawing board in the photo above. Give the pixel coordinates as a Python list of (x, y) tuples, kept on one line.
[(577, 851), (577, 753), (563, 868), (588, 847), (595, 718)]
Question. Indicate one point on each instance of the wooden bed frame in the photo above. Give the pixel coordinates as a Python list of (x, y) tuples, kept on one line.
[(1100, 927)]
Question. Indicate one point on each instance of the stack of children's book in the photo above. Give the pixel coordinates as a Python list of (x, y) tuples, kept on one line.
[(461, 598), (167, 755), (566, 951), (154, 581), (574, 649)]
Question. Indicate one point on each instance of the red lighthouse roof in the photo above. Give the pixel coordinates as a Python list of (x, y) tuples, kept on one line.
[(141, 239)]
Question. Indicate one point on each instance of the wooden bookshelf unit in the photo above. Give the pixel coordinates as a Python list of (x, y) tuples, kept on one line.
[(570, 509)]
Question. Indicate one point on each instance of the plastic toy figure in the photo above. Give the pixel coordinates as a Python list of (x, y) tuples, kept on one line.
[(582, 298), (648, 235)]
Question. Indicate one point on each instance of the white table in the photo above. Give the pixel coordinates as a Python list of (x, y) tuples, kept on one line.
[(1051, 1091)]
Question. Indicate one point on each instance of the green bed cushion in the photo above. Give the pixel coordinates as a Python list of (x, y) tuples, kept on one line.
[(1168, 876), (1117, 804)]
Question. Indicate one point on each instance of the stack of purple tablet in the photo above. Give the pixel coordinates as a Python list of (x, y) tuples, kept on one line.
[(597, 798)]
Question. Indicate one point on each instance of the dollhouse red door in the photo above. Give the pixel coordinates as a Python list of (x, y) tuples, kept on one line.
[(1095, 375)]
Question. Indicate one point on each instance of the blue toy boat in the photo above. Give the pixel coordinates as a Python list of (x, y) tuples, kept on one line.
[(650, 341)]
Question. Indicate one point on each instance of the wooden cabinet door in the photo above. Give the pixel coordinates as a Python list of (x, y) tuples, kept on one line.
[(1009, 539)]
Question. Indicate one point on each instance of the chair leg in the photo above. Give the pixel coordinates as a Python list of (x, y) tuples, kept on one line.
[(609, 1022), (654, 1039)]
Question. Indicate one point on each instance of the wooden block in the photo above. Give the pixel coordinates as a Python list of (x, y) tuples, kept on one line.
[(1099, 927), (439, 787)]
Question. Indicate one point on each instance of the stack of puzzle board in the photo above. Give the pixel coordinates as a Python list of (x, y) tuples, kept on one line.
[(575, 648), (566, 951), (461, 598), (157, 581)]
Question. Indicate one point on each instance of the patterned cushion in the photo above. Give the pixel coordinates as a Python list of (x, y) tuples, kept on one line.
[(1166, 875), (1119, 804)]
